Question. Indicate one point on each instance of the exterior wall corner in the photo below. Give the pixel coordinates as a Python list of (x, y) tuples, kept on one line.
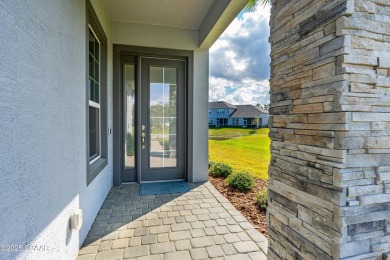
[(329, 177)]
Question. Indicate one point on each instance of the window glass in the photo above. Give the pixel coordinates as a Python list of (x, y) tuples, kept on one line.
[(93, 132), (94, 96), (129, 103), (94, 68), (163, 120)]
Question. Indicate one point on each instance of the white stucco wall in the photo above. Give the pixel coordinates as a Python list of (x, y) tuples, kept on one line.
[(42, 121), (154, 36), (200, 113)]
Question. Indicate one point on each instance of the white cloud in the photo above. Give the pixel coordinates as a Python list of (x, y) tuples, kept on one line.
[(248, 92), (239, 60)]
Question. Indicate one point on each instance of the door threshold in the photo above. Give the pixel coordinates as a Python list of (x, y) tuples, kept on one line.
[(163, 181), (129, 182)]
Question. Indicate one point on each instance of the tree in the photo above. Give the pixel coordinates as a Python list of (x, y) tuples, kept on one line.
[(255, 122), (252, 4)]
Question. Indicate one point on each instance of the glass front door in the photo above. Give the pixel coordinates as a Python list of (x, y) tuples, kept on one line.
[(162, 119), (152, 119)]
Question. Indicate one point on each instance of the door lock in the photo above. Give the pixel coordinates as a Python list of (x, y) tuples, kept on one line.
[(143, 140), (143, 136)]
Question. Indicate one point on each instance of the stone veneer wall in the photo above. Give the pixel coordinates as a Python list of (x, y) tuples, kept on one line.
[(329, 177)]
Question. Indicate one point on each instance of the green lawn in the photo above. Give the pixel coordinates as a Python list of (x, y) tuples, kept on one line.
[(241, 148)]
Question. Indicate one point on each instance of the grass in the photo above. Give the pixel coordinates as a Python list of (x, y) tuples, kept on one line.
[(160, 130), (248, 151), (230, 132)]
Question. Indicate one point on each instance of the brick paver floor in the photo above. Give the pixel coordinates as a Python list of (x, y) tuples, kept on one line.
[(200, 224)]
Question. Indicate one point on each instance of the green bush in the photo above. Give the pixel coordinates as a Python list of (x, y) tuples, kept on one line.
[(220, 170), (211, 163), (242, 181), (164, 144), (129, 144), (261, 199)]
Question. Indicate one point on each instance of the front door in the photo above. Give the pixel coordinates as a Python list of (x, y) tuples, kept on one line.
[(153, 120), (162, 119)]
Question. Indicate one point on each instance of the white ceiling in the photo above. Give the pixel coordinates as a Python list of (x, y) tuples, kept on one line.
[(173, 13)]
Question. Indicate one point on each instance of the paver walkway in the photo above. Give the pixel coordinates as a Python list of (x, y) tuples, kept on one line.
[(200, 224)]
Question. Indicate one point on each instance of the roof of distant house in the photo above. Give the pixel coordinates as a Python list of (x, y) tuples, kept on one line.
[(221, 104), (264, 111), (248, 111)]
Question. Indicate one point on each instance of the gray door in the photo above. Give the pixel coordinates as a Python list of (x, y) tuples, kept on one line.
[(162, 122), (149, 118)]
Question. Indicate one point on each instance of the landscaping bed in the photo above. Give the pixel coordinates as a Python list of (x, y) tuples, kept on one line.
[(244, 202)]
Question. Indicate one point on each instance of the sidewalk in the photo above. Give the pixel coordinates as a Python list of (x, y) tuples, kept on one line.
[(200, 224)]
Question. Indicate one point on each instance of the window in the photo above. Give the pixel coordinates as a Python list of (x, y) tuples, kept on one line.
[(222, 121), (96, 96), (221, 111), (247, 121), (235, 121)]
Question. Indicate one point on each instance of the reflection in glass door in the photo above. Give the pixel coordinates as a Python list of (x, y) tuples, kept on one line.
[(129, 115), (162, 101)]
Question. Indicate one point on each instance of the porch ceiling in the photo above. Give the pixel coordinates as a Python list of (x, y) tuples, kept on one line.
[(172, 13), (154, 23)]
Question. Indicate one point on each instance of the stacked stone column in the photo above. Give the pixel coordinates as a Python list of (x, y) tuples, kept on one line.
[(329, 177)]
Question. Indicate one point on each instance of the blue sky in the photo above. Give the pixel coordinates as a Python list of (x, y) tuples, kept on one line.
[(239, 60)]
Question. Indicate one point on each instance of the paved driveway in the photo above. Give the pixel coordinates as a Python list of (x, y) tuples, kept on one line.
[(200, 224)]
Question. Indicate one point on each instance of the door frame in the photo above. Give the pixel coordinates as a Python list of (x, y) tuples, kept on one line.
[(155, 173), (138, 52)]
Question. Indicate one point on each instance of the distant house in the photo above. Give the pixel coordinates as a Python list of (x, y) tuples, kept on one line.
[(225, 114), (220, 112)]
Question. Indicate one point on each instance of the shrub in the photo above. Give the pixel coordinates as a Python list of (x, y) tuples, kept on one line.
[(242, 181), (261, 199), (220, 170), (129, 144), (165, 144), (211, 163)]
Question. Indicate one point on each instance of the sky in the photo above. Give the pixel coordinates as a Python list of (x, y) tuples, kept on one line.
[(239, 60)]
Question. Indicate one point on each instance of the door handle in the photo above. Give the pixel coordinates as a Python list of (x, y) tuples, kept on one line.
[(143, 137), (143, 142)]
